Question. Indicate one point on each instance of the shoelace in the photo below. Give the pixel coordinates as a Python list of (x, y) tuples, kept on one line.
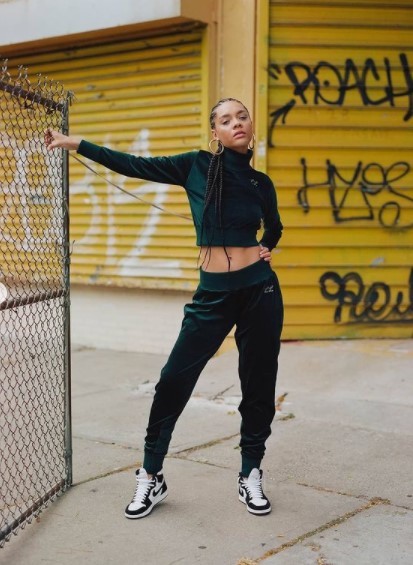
[(142, 489), (254, 489)]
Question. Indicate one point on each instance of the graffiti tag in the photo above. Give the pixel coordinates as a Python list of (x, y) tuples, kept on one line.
[(372, 304), (368, 182), (328, 84)]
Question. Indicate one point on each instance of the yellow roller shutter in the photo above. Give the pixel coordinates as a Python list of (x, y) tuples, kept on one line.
[(141, 96), (340, 117)]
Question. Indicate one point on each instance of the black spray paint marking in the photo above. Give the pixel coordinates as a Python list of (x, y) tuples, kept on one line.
[(327, 84), (368, 181), (366, 305)]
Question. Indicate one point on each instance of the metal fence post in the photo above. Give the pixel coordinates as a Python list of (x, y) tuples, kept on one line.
[(67, 348)]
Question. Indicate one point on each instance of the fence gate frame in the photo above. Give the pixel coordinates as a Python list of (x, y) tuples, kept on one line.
[(51, 98)]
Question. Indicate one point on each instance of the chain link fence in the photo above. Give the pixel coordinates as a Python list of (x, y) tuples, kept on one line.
[(35, 435)]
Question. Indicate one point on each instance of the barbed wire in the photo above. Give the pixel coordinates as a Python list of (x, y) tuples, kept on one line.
[(49, 94)]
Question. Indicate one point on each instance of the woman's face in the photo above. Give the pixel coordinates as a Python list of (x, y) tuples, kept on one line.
[(233, 126)]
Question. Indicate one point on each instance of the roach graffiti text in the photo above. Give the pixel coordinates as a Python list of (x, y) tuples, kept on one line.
[(360, 191), (366, 305), (328, 84)]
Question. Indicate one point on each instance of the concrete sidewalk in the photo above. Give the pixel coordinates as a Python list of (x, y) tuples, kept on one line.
[(338, 468)]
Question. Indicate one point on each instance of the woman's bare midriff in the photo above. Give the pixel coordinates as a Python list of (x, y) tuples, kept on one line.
[(215, 260)]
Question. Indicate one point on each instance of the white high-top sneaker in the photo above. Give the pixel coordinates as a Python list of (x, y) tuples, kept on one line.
[(148, 493), (251, 493)]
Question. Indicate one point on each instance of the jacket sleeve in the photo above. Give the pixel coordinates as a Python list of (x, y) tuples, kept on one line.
[(170, 170), (272, 221)]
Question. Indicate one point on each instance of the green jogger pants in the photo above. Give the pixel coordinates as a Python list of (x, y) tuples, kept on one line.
[(251, 300)]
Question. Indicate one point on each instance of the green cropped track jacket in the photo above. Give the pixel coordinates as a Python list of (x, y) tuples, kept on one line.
[(249, 200)]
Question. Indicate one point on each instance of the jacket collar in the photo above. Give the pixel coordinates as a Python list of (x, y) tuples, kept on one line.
[(235, 160)]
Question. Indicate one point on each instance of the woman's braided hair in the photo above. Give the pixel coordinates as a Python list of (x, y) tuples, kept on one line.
[(214, 188)]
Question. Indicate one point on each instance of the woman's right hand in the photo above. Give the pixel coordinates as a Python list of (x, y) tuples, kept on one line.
[(54, 140)]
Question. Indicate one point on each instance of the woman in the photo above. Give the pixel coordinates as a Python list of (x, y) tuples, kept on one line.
[(229, 202)]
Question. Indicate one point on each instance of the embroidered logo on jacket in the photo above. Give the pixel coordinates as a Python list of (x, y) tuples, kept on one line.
[(268, 289)]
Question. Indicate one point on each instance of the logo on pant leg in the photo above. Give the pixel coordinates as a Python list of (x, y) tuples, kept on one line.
[(268, 289)]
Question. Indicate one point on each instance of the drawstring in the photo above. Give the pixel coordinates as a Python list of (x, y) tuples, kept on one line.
[(130, 193)]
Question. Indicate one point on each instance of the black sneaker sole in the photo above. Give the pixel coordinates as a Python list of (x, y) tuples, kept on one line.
[(148, 510), (252, 510)]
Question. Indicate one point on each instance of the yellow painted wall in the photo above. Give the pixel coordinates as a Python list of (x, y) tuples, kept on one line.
[(339, 128), (236, 53), (31, 203), (351, 226), (142, 96)]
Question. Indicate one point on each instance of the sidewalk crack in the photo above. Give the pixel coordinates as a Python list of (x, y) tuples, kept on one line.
[(332, 491), (211, 443), (372, 502), (349, 495), (107, 474), (221, 393)]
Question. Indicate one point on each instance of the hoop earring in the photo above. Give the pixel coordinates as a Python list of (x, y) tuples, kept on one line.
[(253, 142), (220, 147)]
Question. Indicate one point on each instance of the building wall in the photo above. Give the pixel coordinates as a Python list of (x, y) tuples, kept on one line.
[(126, 319), (141, 96), (145, 75), (144, 88), (339, 118), (42, 23)]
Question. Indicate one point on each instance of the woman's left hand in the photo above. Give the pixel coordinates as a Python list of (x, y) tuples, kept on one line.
[(265, 253)]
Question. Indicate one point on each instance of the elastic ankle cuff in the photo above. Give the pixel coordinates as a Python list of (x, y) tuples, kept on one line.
[(248, 464), (152, 463)]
